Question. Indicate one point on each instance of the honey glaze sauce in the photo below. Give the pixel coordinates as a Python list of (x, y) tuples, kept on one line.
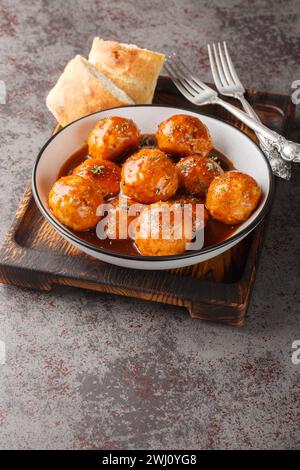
[(214, 232)]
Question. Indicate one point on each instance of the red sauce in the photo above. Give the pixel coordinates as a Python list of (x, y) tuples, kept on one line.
[(73, 161), (215, 231)]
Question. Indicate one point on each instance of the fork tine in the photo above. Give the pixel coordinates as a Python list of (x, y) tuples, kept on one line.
[(178, 83), (213, 67), (185, 70), (182, 80), (225, 65), (231, 66), (178, 68), (219, 66), (180, 75)]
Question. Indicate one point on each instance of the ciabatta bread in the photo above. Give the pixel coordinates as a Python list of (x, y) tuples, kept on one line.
[(132, 69), (82, 90)]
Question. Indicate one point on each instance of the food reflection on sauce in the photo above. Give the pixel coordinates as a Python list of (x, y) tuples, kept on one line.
[(215, 231)]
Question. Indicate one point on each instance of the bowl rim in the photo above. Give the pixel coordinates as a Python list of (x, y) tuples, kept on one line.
[(64, 231)]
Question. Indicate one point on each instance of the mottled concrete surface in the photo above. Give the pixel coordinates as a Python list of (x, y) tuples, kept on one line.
[(86, 370)]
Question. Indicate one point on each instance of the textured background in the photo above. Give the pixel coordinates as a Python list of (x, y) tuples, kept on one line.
[(89, 370)]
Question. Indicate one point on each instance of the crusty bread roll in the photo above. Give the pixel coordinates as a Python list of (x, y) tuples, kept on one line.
[(132, 69), (82, 90)]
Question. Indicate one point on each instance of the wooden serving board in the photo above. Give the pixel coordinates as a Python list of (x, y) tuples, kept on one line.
[(34, 255)]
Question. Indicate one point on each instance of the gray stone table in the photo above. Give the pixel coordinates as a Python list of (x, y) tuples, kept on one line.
[(90, 370)]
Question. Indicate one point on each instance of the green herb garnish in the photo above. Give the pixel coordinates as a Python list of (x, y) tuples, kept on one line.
[(98, 170)]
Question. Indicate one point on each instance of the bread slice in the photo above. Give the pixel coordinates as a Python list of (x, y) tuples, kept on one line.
[(82, 90), (132, 69)]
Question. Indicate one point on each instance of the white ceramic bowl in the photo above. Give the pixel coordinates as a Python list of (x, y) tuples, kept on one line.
[(241, 150)]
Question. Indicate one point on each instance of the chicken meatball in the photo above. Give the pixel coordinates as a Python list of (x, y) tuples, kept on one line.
[(122, 213), (159, 232), (194, 207), (105, 174), (196, 173), (232, 197), (74, 200), (149, 176), (183, 135), (112, 137)]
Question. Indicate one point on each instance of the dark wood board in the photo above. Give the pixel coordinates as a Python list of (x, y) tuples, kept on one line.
[(34, 255)]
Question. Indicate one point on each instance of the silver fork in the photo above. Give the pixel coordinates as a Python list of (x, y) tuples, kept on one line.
[(229, 84), (198, 93)]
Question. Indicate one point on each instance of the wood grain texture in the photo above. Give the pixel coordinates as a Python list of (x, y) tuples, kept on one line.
[(34, 255)]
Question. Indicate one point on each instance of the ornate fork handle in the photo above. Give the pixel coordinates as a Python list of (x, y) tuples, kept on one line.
[(289, 151), (279, 166)]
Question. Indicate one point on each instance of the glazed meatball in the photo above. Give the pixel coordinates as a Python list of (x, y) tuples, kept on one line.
[(232, 197), (112, 137), (159, 233), (196, 173), (183, 135), (149, 176), (74, 200), (199, 218), (118, 227), (106, 174)]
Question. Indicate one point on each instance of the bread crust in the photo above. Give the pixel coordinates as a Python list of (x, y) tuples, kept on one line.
[(132, 69), (79, 92)]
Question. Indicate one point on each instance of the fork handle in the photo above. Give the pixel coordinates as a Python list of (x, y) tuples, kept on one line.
[(289, 151), (248, 108), (280, 167)]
